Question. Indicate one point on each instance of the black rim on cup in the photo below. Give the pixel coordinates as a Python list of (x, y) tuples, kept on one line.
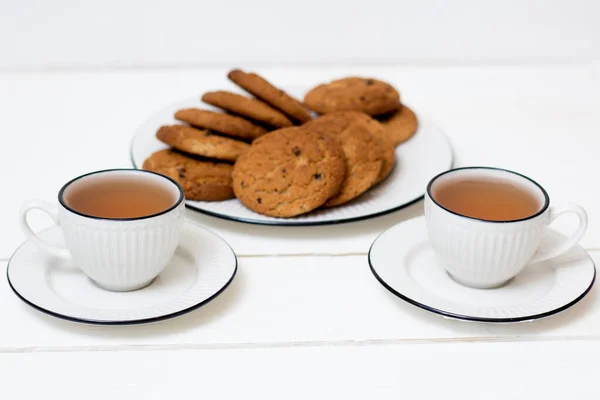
[(62, 202), (540, 212)]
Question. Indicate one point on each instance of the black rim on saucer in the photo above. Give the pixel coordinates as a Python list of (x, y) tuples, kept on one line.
[(298, 223), (450, 314), (540, 212), (62, 202), (124, 322)]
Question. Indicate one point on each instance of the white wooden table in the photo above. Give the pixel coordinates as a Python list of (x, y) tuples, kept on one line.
[(304, 316)]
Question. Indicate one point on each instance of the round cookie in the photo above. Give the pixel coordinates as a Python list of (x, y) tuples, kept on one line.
[(388, 156), (289, 172), (226, 124), (362, 150), (401, 125), (244, 106), (264, 90), (201, 142), (200, 180), (353, 94), (388, 150)]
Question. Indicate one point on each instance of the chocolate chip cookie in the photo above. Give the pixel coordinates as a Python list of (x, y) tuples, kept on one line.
[(343, 119), (200, 180), (401, 125), (364, 156), (201, 142), (225, 124), (289, 172), (388, 150), (370, 96), (264, 90), (246, 107)]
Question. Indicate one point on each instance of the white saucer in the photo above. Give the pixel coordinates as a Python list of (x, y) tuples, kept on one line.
[(202, 267), (404, 186), (403, 261)]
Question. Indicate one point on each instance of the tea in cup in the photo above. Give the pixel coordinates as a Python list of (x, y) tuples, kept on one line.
[(121, 226), (486, 224)]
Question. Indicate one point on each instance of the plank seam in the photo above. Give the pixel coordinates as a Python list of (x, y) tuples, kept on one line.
[(298, 344)]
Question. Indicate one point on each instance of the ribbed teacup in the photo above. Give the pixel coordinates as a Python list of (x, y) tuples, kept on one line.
[(119, 254), (485, 254)]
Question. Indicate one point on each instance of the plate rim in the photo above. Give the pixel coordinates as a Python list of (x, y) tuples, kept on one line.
[(140, 321), (470, 318), (287, 222)]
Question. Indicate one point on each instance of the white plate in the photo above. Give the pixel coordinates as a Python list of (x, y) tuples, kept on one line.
[(202, 267), (403, 261), (425, 155)]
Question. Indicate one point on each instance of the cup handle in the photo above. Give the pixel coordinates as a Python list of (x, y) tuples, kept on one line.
[(563, 247), (52, 211)]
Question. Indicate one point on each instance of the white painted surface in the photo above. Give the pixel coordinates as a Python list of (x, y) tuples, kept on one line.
[(69, 33), (491, 371), (324, 320), (288, 301), (542, 122)]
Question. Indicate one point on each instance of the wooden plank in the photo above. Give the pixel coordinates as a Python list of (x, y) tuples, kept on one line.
[(494, 371), (289, 301)]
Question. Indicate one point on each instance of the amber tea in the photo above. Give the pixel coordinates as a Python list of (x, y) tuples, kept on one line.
[(487, 199), (119, 197)]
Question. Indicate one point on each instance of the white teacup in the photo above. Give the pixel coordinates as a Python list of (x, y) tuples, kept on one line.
[(485, 254), (119, 254)]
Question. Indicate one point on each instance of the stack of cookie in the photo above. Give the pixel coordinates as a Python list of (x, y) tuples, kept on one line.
[(207, 141), (371, 96), (286, 163)]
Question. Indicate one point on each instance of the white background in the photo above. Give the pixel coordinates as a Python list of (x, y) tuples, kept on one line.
[(113, 33), (514, 84)]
